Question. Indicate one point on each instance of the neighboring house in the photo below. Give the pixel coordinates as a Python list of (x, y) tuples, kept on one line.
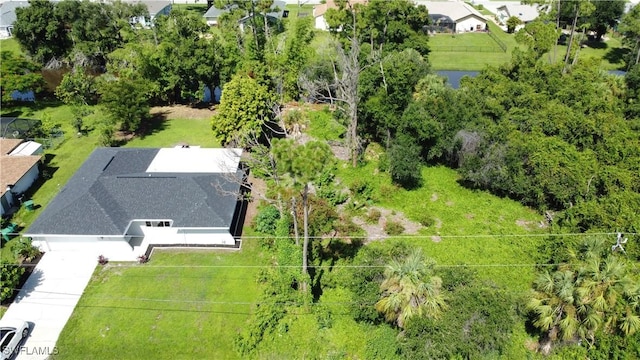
[(155, 8), (18, 170), (453, 16), (8, 16), (122, 200), (213, 14), (526, 14), (320, 10)]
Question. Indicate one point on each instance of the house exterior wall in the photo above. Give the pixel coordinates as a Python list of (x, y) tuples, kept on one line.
[(26, 180), (321, 23), (470, 24), (6, 32), (95, 245), (206, 236)]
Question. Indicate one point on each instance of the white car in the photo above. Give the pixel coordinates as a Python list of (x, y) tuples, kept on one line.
[(12, 332)]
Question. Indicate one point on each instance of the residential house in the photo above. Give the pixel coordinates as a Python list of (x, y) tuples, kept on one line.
[(155, 9), (213, 14), (526, 14), (320, 10), (19, 161), (8, 16), (123, 200), (454, 16)]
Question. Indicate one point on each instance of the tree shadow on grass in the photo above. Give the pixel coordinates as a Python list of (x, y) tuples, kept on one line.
[(616, 56), (156, 123)]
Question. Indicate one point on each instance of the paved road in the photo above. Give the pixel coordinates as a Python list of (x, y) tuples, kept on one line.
[(48, 298)]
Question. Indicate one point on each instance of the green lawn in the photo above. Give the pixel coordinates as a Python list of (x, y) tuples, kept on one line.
[(471, 51), (180, 305), (10, 45), (169, 133)]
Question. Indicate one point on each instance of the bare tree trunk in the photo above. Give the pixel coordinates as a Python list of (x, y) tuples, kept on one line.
[(305, 244), (555, 47), (638, 53), (295, 220), (573, 30)]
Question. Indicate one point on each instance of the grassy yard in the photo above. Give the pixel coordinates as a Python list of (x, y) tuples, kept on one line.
[(471, 51), (183, 304)]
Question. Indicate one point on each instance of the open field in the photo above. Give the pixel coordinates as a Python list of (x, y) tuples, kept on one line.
[(183, 304), (469, 227)]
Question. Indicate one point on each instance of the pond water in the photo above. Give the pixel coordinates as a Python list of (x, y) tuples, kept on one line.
[(454, 76)]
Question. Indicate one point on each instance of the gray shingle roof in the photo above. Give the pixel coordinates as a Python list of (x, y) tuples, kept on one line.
[(112, 188), (8, 11)]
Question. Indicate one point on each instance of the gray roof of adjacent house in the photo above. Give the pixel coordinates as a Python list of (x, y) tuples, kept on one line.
[(8, 12), (117, 185), (526, 13), (153, 6), (215, 13)]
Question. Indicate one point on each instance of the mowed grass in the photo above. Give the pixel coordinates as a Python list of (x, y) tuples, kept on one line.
[(170, 133), (183, 304), (462, 51), (497, 237)]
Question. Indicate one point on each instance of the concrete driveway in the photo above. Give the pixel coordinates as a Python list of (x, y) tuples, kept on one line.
[(48, 298)]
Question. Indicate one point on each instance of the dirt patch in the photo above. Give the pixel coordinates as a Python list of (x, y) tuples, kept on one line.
[(434, 197), (436, 238), (258, 191), (530, 225), (183, 112), (376, 231)]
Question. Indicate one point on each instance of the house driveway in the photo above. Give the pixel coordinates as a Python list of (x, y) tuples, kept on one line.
[(48, 298)]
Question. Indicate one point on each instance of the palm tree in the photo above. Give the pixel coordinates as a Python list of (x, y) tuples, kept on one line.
[(594, 290), (410, 290)]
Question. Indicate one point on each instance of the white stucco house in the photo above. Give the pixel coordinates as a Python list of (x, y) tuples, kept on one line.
[(526, 14), (19, 169), (454, 16), (123, 200)]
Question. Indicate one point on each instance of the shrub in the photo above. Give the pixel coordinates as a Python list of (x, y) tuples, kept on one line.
[(425, 219), (373, 216), (266, 220), (405, 162), (9, 278), (102, 260), (332, 196), (386, 191), (24, 248), (362, 189), (393, 227)]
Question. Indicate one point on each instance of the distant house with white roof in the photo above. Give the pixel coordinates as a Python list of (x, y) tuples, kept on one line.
[(454, 16)]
